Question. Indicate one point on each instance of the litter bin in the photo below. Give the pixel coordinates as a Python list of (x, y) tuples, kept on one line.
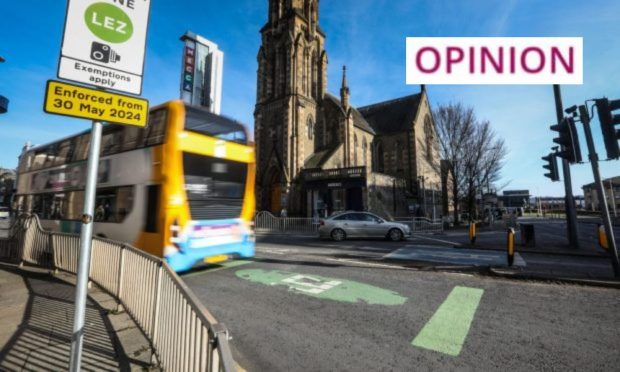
[(528, 238)]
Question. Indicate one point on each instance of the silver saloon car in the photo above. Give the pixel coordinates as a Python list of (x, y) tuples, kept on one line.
[(361, 225)]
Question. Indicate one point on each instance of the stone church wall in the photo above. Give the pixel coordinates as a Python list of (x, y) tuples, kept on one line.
[(386, 196)]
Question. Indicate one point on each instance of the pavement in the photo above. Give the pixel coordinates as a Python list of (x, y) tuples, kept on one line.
[(37, 321)]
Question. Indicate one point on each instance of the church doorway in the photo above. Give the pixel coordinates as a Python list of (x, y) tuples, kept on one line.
[(276, 198)]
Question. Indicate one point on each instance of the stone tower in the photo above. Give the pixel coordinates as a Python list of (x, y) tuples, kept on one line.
[(292, 81)]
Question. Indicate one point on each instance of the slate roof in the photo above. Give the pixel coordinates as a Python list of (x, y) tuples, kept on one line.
[(319, 158), (392, 116), (358, 118)]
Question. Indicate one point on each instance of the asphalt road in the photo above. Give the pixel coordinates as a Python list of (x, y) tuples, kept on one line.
[(298, 307)]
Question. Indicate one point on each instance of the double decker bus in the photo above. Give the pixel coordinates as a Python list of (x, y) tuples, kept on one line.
[(182, 188)]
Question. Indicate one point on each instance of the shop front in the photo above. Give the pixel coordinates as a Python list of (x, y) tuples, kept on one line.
[(334, 190)]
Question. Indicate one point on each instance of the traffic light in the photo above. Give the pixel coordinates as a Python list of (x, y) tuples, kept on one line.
[(611, 135), (568, 139), (552, 166)]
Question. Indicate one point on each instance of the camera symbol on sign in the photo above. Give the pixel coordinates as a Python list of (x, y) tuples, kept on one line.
[(103, 53)]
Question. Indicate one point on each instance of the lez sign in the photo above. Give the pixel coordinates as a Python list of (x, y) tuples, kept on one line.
[(104, 43)]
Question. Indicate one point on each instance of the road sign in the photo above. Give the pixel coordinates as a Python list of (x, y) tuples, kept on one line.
[(80, 102), (104, 43)]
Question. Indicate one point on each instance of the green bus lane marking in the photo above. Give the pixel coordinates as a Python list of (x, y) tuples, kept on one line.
[(220, 266), (324, 288), (448, 328)]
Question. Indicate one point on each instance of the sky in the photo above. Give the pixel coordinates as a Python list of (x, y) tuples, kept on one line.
[(366, 35)]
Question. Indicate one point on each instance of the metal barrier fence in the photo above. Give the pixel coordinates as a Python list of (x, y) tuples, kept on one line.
[(183, 334), (266, 222), (421, 225)]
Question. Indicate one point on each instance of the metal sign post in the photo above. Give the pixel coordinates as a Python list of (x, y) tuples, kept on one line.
[(86, 234), (103, 46)]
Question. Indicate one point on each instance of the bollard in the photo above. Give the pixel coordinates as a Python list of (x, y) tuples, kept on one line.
[(602, 237), (511, 246), (472, 233)]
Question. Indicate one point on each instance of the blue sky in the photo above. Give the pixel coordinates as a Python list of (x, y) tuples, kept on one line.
[(366, 35)]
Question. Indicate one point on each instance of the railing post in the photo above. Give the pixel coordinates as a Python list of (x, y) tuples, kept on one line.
[(119, 287), (156, 311), (53, 250)]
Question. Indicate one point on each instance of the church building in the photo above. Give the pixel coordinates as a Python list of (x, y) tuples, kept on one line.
[(316, 153)]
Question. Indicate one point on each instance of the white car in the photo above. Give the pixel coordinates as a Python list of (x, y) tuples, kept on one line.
[(362, 225), (4, 213)]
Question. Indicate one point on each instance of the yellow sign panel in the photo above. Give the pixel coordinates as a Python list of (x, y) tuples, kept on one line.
[(73, 100)]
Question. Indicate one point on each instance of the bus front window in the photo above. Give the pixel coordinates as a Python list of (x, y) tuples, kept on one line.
[(215, 187)]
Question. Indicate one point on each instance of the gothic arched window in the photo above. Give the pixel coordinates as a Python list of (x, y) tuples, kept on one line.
[(272, 88), (314, 75), (429, 137), (399, 156), (304, 85), (380, 158), (355, 150), (364, 151), (310, 128)]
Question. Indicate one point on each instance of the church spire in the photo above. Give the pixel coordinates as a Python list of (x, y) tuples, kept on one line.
[(344, 90)]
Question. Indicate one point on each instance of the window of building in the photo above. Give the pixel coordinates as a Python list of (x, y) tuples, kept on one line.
[(380, 158), (314, 76), (355, 150), (429, 136), (364, 151), (310, 126), (399, 156)]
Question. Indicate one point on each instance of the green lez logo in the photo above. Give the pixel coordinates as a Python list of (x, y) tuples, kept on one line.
[(108, 22)]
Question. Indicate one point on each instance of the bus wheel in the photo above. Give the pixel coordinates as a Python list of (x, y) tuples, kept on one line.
[(338, 235)]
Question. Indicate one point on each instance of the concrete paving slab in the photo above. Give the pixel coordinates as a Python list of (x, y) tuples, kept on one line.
[(37, 321)]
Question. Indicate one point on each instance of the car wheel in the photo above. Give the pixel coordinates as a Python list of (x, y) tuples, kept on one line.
[(395, 235), (338, 235)]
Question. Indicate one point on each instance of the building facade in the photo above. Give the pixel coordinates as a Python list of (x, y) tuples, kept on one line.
[(202, 72), (318, 154), (611, 188), (515, 199)]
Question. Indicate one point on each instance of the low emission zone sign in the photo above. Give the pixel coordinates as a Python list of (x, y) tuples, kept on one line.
[(80, 102), (104, 43)]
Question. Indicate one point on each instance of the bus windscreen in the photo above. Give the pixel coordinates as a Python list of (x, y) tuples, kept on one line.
[(204, 122), (215, 187)]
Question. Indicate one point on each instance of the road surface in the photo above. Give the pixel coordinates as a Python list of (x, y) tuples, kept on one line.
[(298, 307)]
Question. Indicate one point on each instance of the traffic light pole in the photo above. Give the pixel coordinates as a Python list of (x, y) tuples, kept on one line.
[(569, 200), (593, 156)]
